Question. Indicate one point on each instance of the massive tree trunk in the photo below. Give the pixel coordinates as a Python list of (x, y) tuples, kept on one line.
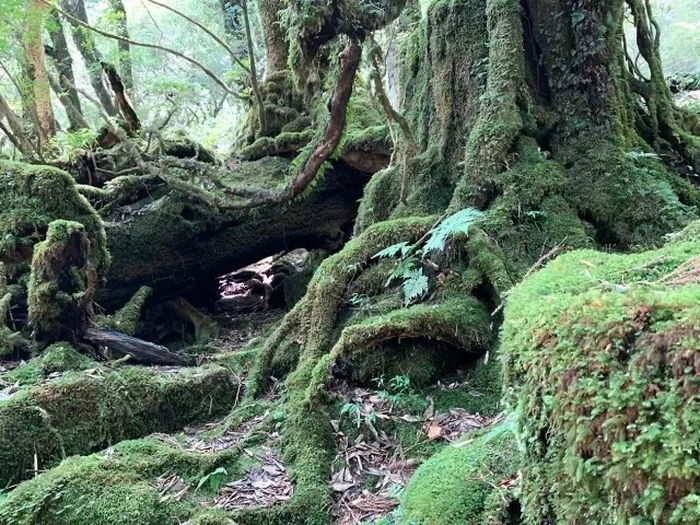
[(36, 67), (275, 43), (542, 134)]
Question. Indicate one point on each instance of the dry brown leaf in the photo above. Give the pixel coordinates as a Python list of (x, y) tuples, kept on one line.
[(434, 432)]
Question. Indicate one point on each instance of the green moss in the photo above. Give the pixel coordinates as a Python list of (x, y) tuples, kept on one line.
[(285, 143), (295, 286), (62, 284), (80, 413), (59, 357), (34, 196), (179, 144), (453, 486), (126, 319), (480, 392), (116, 487), (601, 371)]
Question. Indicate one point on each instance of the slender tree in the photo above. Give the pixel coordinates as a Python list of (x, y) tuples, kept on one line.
[(125, 63), (65, 77), (33, 44), (85, 43)]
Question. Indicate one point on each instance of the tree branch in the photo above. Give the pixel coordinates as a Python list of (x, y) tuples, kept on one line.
[(207, 31), (189, 59), (349, 62)]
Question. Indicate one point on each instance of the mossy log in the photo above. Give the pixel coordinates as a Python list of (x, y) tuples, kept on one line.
[(179, 244), (136, 350), (88, 411)]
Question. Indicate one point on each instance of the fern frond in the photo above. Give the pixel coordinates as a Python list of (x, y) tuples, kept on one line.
[(415, 285), (458, 223)]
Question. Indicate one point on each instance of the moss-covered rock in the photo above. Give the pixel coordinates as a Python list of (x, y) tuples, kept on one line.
[(453, 486), (31, 198), (59, 357), (83, 412), (602, 356)]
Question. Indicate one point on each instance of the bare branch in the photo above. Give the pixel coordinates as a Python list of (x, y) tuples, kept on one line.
[(189, 59), (207, 31)]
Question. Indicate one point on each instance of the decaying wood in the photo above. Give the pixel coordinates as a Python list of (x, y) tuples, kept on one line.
[(142, 352), (131, 119)]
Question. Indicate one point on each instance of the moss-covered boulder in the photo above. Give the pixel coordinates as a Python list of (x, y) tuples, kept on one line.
[(79, 413), (31, 198), (455, 486), (602, 369), (113, 488)]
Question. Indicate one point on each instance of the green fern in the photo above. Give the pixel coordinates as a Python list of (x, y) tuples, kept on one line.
[(393, 250), (458, 223), (403, 269), (414, 286)]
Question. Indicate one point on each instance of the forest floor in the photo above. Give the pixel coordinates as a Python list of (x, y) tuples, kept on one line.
[(381, 437), (383, 431)]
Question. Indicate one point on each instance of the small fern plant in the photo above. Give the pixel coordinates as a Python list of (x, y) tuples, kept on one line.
[(409, 268)]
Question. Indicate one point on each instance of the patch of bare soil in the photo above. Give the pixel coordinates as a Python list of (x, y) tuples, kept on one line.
[(237, 330)]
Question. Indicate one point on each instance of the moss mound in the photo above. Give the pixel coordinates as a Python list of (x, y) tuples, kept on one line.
[(113, 488), (83, 412), (59, 357), (31, 198), (454, 485), (602, 360)]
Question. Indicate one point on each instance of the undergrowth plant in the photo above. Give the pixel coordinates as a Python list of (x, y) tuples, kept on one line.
[(412, 258)]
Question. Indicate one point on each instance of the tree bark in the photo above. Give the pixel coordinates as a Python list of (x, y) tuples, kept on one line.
[(23, 143), (65, 77), (139, 351), (275, 43), (36, 67), (86, 45), (131, 119), (125, 65)]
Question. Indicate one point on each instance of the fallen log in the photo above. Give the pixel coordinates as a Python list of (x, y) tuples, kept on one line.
[(180, 246), (139, 351)]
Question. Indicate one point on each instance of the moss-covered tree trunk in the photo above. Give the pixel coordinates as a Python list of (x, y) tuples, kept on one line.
[(530, 118), (275, 43)]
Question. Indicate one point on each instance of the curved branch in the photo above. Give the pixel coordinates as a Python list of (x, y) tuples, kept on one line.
[(349, 62), (189, 59)]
